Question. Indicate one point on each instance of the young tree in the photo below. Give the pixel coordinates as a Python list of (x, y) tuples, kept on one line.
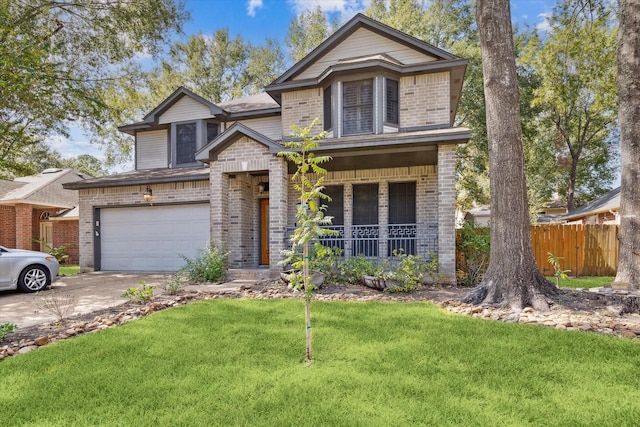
[(577, 95), (629, 113), (512, 276), (310, 219), (57, 56)]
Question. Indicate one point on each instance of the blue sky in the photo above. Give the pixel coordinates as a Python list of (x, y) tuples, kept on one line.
[(256, 20)]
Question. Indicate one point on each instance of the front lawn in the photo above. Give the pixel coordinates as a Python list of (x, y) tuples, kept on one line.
[(68, 270), (240, 362), (583, 282)]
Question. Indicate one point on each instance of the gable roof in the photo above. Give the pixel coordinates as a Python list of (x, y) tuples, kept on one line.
[(438, 61), (43, 189), (152, 118), (231, 135), (605, 203), (349, 28)]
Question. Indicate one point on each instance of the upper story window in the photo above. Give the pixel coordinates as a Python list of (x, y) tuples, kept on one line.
[(357, 105), (189, 137), (362, 107), (392, 94)]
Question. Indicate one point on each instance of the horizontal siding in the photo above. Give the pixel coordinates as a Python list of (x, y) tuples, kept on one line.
[(185, 109), (362, 43), (271, 127), (151, 149)]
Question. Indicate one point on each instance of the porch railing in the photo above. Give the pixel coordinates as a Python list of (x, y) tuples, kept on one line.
[(379, 241)]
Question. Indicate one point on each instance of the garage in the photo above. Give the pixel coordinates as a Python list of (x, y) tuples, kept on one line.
[(151, 238)]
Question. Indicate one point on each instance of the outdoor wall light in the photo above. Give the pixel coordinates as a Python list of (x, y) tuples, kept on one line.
[(148, 195), (262, 187)]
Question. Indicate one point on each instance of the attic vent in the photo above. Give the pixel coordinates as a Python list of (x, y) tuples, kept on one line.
[(52, 170)]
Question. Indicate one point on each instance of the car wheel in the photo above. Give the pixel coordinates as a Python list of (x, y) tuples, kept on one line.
[(33, 279)]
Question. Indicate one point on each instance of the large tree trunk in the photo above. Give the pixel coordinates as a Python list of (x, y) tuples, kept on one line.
[(629, 116), (512, 277)]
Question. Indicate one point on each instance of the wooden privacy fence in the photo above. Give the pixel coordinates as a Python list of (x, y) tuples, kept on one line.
[(586, 249)]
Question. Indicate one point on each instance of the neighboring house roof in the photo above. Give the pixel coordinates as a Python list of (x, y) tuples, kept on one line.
[(43, 189), (443, 60), (143, 177), (229, 136), (67, 215), (605, 203)]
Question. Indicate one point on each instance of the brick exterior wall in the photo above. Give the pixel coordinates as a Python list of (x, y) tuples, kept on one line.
[(66, 233), (166, 193), (8, 226), (301, 108), (424, 100), (446, 210), (235, 202)]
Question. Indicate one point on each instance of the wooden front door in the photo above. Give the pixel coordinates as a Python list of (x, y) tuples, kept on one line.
[(264, 231), (46, 236)]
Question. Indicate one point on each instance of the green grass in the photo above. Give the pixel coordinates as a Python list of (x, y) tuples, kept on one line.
[(68, 270), (240, 363), (583, 282)]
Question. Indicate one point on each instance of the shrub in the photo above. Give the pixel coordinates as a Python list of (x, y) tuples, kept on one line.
[(59, 305), (352, 269), (6, 329), (140, 295), (410, 270), (59, 252), (325, 260), (210, 265), (473, 246), (173, 283)]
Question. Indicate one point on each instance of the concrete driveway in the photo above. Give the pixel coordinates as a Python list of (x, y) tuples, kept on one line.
[(93, 291)]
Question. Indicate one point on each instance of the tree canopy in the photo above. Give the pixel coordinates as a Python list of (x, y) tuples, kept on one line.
[(57, 56)]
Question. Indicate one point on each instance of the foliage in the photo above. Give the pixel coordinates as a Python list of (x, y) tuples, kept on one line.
[(377, 358), (308, 181), (59, 252), (58, 57), (353, 268), (59, 305), (409, 270), (139, 295), (209, 265), (559, 273), (6, 329), (473, 244), (173, 283), (307, 31), (326, 260), (575, 63)]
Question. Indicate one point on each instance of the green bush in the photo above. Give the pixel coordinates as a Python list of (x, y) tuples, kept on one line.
[(6, 329), (210, 265), (352, 269), (139, 295), (473, 247)]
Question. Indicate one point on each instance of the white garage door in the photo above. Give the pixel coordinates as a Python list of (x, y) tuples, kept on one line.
[(152, 238)]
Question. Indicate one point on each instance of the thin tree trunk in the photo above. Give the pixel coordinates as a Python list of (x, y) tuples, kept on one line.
[(629, 117), (307, 303), (512, 277)]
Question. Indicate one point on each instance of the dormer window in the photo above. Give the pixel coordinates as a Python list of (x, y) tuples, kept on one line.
[(189, 137)]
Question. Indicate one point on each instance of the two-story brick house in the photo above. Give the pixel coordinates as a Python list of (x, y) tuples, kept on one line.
[(388, 102)]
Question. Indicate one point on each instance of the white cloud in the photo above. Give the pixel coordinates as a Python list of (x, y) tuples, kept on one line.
[(252, 5), (344, 8), (543, 25)]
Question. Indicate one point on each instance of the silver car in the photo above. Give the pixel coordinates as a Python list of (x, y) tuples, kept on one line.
[(27, 271)]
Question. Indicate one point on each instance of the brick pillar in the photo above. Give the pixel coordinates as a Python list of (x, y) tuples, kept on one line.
[(219, 206), (446, 210), (278, 205), (24, 226)]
